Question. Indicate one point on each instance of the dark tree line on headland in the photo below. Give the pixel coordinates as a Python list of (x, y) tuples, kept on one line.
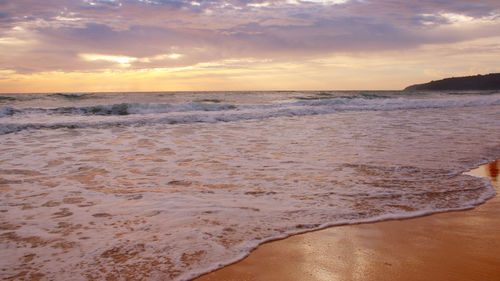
[(478, 82)]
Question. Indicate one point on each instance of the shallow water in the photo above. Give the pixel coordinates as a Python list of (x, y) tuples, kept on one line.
[(166, 186)]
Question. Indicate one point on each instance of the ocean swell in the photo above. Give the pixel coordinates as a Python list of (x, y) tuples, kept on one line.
[(18, 119)]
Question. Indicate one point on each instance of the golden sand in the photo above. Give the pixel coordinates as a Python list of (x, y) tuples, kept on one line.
[(462, 245)]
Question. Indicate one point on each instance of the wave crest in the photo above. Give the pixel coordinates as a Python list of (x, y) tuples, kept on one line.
[(192, 112)]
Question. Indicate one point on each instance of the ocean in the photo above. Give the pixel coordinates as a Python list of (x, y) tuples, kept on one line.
[(168, 186)]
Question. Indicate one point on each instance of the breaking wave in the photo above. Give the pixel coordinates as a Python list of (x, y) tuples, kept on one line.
[(192, 112)]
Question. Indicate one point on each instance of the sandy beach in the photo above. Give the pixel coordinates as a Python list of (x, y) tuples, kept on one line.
[(461, 245), (249, 140)]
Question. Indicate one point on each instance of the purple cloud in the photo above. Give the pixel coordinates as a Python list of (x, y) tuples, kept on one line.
[(53, 35)]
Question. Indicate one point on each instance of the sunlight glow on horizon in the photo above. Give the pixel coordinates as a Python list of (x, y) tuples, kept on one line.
[(125, 61), (142, 45), (337, 72), (121, 60)]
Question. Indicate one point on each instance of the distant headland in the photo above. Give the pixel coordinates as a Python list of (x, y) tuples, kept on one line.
[(477, 82)]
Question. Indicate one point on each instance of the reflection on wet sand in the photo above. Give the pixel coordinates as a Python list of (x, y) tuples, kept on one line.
[(493, 168), (170, 201), (460, 246), (489, 170)]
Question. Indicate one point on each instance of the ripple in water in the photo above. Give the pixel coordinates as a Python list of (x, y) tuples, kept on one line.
[(169, 202)]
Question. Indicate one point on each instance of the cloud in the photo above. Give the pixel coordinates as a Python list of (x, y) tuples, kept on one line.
[(59, 35)]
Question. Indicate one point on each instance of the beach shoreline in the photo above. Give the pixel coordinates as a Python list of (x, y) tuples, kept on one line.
[(111, 186), (454, 245)]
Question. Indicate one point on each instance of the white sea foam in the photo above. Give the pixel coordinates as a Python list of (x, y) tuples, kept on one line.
[(170, 195), (193, 112)]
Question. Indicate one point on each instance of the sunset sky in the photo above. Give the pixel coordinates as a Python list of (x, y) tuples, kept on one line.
[(163, 45)]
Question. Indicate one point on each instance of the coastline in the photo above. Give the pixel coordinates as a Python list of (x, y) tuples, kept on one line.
[(456, 245)]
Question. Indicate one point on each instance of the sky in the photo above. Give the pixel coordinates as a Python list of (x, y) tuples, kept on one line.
[(165, 45)]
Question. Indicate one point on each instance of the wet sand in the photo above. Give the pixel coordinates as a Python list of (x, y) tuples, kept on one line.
[(462, 245)]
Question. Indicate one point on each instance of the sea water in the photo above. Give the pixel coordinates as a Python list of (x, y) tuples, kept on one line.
[(167, 186)]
